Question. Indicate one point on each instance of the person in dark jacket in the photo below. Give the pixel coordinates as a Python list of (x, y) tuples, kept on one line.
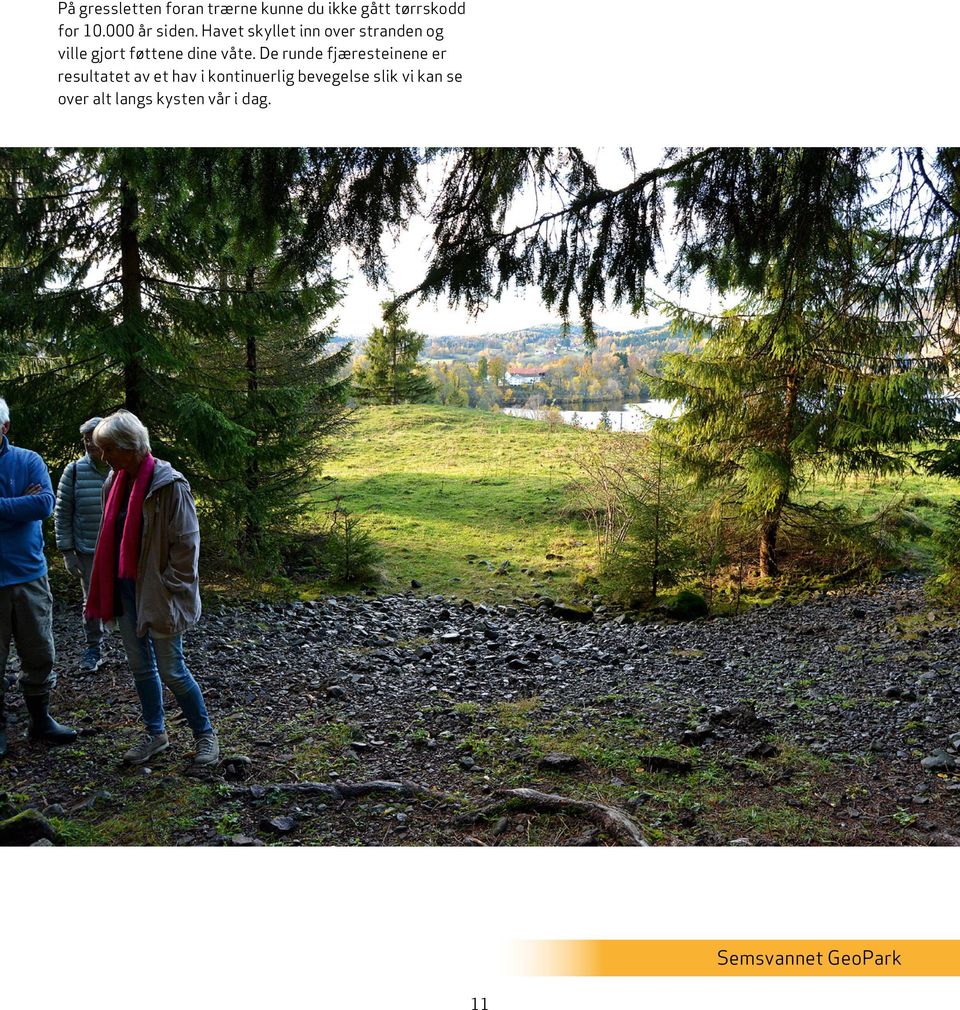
[(26, 604), (76, 521)]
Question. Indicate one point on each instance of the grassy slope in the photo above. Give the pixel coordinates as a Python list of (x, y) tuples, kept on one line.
[(436, 485)]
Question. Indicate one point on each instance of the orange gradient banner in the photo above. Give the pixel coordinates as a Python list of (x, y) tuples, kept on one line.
[(740, 958)]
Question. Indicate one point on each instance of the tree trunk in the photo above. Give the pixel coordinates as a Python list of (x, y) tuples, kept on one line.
[(252, 525), (768, 548), (655, 574), (394, 392), (131, 281), (771, 521)]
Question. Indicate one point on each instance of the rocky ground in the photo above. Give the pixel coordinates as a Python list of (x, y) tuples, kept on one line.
[(408, 720)]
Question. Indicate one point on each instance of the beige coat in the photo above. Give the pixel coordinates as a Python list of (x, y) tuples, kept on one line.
[(168, 584)]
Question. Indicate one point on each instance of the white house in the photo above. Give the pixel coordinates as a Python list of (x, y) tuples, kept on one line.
[(524, 376)]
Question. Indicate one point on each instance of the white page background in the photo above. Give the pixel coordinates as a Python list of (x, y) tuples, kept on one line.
[(429, 928)]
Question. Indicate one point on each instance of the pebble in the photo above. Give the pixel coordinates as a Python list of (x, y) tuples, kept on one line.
[(558, 762), (278, 825)]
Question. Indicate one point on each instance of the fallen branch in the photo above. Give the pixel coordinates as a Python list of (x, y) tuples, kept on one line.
[(615, 821)]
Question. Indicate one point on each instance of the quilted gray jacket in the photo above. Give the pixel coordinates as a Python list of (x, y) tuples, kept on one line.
[(76, 518)]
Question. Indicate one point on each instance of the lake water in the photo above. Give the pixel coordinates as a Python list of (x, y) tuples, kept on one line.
[(633, 417)]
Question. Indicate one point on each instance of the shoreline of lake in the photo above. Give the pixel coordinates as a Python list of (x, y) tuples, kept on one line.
[(636, 417)]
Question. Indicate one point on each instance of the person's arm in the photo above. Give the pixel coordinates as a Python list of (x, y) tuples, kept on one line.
[(181, 572), (36, 499), (64, 509)]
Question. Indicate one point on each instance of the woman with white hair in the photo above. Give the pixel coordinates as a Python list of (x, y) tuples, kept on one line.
[(145, 575)]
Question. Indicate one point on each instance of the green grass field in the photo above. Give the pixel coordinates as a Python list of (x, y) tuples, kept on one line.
[(451, 495)]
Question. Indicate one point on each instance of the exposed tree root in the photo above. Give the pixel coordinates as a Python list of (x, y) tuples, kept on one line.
[(610, 819)]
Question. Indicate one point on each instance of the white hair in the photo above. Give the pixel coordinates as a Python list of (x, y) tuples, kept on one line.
[(123, 430), (4, 411), (88, 426)]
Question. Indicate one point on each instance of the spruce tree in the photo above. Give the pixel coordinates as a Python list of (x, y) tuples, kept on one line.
[(767, 400), (271, 376), (388, 371), (144, 279)]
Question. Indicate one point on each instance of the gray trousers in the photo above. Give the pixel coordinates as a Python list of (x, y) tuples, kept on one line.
[(92, 628), (26, 618)]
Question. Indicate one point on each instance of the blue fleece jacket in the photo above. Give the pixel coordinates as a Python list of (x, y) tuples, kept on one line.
[(22, 515)]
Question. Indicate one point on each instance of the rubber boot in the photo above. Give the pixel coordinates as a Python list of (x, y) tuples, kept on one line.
[(3, 727), (42, 725)]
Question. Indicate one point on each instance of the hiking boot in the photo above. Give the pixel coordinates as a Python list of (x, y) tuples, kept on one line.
[(145, 748), (42, 725), (207, 750), (91, 660)]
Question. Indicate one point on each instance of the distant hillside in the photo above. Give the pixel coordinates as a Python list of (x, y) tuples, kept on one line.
[(534, 344), (541, 344)]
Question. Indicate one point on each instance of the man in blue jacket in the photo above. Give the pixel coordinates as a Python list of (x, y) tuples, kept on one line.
[(26, 605)]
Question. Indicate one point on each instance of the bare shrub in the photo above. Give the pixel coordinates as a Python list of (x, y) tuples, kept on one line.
[(637, 504)]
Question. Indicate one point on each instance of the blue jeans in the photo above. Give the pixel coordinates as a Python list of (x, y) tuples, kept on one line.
[(155, 659)]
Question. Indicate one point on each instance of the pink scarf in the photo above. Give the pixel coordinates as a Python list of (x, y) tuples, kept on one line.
[(100, 599)]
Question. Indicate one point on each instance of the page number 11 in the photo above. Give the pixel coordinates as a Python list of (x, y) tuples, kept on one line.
[(479, 1004)]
